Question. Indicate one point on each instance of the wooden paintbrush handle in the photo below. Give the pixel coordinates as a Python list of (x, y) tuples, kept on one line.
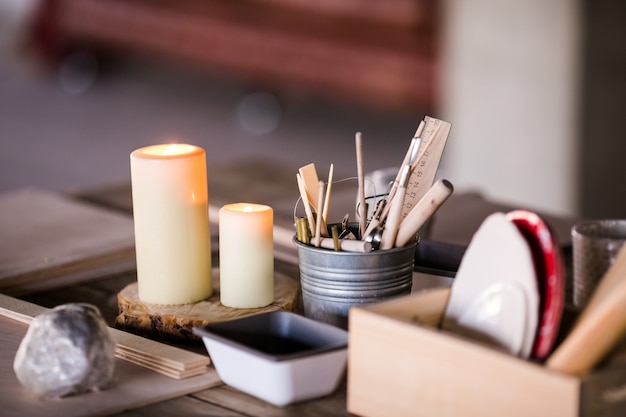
[(319, 220), (362, 209), (393, 220), (347, 245), (611, 279), (423, 210), (600, 326)]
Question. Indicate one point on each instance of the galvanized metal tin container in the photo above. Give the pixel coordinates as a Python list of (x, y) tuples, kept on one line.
[(332, 282)]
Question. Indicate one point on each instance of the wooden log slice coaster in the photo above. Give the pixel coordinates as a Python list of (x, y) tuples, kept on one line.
[(175, 322)]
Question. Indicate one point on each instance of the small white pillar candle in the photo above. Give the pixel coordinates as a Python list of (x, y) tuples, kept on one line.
[(246, 236), (172, 236)]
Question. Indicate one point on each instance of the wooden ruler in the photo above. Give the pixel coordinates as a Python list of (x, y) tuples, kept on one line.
[(433, 135), (434, 138)]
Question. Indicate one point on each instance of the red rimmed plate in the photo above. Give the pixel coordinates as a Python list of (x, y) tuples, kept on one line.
[(550, 277)]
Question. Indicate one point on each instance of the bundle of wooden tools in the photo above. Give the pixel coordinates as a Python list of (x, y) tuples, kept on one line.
[(409, 202)]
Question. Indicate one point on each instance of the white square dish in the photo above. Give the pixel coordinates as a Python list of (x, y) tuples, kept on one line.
[(280, 357)]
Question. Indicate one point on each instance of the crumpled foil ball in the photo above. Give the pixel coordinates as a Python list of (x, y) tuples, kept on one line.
[(66, 350)]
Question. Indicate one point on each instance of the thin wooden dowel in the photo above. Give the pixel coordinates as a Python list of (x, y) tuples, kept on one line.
[(600, 326), (395, 214), (422, 211), (329, 187), (362, 209), (320, 202), (347, 245)]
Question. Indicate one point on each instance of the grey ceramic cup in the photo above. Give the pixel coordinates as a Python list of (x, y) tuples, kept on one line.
[(596, 244)]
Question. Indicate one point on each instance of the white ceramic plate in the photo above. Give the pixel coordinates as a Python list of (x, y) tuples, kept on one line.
[(494, 296)]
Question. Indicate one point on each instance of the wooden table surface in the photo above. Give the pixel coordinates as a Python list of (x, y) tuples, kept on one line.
[(279, 184), (221, 400), (275, 187)]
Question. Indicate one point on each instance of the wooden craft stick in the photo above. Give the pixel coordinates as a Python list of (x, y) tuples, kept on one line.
[(423, 210), (329, 186), (306, 203), (348, 245), (308, 173), (395, 214), (600, 326), (362, 210), (608, 282), (320, 202), (310, 180)]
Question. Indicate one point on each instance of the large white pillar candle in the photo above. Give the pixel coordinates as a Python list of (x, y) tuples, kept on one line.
[(170, 210), (246, 236)]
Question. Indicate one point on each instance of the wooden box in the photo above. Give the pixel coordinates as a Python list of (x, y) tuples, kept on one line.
[(401, 364)]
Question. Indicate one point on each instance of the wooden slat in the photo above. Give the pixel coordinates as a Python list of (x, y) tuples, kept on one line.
[(50, 240), (134, 386), (167, 360)]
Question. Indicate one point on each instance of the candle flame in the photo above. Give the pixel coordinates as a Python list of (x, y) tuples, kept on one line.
[(170, 150), (246, 207)]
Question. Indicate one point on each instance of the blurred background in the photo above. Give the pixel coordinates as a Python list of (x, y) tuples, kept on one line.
[(535, 91)]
